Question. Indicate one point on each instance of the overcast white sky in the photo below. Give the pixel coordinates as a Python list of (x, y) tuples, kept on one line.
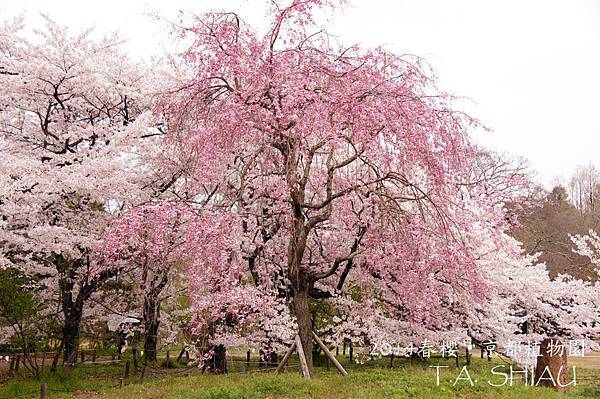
[(531, 67)]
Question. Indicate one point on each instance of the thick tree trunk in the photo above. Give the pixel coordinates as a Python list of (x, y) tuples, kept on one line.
[(71, 330), (304, 320), (150, 343), (72, 305), (551, 368), (217, 364), (151, 324)]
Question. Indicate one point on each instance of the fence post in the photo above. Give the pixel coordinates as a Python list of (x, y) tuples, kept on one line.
[(168, 359), (468, 354), (248, 358), (351, 351), (127, 369), (94, 356), (143, 373), (17, 361), (43, 391), (82, 356), (135, 359)]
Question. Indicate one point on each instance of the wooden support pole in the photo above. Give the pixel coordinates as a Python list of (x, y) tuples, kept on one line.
[(284, 361), (94, 356), (168, 359), (248, 358), (43, 390), (329, 354), (303, 363), (181, 353)]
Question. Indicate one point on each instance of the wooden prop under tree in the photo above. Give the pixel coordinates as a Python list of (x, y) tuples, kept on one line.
[(297, 346)]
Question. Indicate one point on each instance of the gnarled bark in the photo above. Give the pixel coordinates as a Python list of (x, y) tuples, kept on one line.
[(151, 323), (303, 318)]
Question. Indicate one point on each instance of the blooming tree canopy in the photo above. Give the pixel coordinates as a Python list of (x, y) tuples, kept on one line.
[(149, 242), (298, 183), (342, 170), (70, 138)]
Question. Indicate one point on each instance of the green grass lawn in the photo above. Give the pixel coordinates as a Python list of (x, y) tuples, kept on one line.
[(406, 380)]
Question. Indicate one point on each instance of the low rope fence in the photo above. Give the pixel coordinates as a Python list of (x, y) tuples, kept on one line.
[(137, 370)]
